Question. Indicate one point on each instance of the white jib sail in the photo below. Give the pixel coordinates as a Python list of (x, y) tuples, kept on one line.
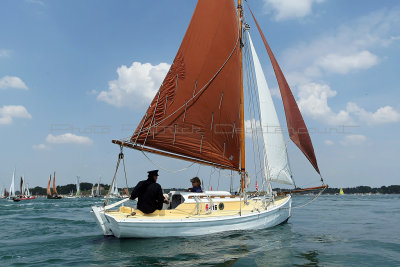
[(115, 191), (78, 188), (12, 190), (276, 159)]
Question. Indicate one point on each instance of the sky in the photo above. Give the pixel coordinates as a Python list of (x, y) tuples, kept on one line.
[(76, 74)]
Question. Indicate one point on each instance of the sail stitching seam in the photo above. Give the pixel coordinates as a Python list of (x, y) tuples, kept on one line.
[(195, 95)]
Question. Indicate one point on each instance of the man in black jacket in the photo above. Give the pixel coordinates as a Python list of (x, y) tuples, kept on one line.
[(149, 193)]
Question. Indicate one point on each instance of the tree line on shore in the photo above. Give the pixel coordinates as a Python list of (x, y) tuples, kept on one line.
[(392, 189), (87, 187)]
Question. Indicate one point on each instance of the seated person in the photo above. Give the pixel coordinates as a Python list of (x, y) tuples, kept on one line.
[(196, 185), (149, 193)]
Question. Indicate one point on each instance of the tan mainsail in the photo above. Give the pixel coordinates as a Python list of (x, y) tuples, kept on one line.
[(297, 128), (196, 112), (54, 185), (48, 187)]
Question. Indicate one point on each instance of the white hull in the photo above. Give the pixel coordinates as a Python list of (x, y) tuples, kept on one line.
[(147, 228)]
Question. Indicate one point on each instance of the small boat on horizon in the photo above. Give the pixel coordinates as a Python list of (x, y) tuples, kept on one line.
[(11, 194), (24, 193), (4, 193), (98, 190)]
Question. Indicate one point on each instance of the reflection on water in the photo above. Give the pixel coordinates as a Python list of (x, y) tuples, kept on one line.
[(331, 231), (311, 257), (257, 247)]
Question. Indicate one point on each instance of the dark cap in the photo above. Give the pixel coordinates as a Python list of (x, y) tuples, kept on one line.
[(153, 172), (195, 179)]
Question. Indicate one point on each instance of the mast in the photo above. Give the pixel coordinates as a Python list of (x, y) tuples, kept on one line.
[(242, 130)]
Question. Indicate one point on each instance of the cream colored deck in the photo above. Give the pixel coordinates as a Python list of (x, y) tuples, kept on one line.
[(189, 210)]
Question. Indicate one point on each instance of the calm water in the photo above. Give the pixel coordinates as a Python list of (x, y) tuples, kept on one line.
[(333, 231)]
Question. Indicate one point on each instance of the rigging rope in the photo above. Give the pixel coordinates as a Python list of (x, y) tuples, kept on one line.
[(120, 156), (309, 202), (126, 179), (167, 170)]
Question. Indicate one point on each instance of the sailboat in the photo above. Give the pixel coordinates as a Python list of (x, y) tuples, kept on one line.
[(4, 193), (11, 195), (114, 192), (55, 194), (197, 115), (78, 187), (341, 191), (92, 193), (24, 193), (98, 191)]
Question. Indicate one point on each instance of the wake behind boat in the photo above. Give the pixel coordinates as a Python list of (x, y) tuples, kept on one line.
[(198, 115)]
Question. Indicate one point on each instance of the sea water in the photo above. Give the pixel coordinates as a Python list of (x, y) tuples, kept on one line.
[(347, 230)]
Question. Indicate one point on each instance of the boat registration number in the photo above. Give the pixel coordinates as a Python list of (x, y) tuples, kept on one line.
[(211, 207)]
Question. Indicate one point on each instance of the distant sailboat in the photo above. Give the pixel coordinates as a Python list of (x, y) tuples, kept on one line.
[(98, 191), (55, 194), (114, 191), (11, 195), (92, 193), (78, 187), (341, 191), (3, 192), (24, 193)]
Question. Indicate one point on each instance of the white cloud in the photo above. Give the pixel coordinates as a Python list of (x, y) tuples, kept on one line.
[(313, 101), (386, 114), (92, 92), (68, 138), (350, 44), (8, 113), (5, 53), (329, 142), (345, 63), (8, 82), (353, 140), (290, 9), (136, 85), (344, 50), (38, 2), (41, 147)]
